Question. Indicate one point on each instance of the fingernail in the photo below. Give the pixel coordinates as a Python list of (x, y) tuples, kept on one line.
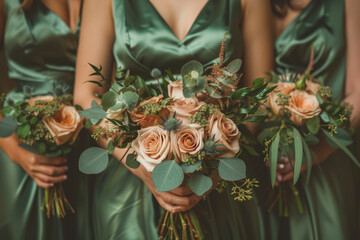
[(65, 177), (281, 166), (279, 178), (51, 184), (66, 168)]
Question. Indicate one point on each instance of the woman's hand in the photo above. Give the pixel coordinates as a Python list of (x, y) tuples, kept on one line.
[(45, 171)]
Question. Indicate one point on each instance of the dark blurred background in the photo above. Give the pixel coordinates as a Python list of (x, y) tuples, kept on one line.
[(5, 86)]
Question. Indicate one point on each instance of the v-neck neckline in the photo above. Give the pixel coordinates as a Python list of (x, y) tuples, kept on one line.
[(296, 19), (168, 26), (62, 20)]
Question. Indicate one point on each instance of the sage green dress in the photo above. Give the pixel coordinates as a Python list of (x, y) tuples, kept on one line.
[(123, 206), (40, 50), (331, 199)]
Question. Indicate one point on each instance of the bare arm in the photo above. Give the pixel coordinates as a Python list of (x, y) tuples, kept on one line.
[(258, 40), (95, 47)]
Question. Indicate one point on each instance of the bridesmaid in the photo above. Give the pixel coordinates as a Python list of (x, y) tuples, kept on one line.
[(140, 35), (331, 199), (40, 42)]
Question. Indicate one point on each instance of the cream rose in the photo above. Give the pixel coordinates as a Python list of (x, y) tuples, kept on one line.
[(64, 125), (175, 89), (226, 132), (184, 108), (139, 117), (187, 139), (32, 101), (283, 88), (152, 146), (302, 106)]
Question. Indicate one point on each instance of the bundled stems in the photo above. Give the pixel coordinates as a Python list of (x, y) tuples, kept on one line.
[(55, 202)]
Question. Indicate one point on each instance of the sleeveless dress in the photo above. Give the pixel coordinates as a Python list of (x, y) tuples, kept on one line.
[(40, 50), (123, 206), (331, 199)]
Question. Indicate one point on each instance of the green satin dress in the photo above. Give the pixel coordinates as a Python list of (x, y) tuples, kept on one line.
[(123, 206), (331, 199), (40, 50)]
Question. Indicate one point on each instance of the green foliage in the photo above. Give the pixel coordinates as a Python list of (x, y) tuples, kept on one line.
[(131, 161), (234, 66), (298, 154), (190, 168), (130, 99), (200, 184), (7, 126), (95, 112), (108, 100), (232, 169), (23, 131), (274, 152), (167, 176), (93, 160), (313, 125)]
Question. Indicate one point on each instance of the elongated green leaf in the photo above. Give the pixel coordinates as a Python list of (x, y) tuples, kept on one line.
[(29, 148), (93, 160), (342, 146), (95, 82), (232, 169), (308, 160), (234, 66), (298, 154), (190, 168), (167, 176), (7, 126), (274, 152), (343, 136), (55, 154), (94, 113), (200, 184)]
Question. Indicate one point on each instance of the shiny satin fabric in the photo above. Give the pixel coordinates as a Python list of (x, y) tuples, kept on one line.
[(331, 199), (144, 41), (40, 50)]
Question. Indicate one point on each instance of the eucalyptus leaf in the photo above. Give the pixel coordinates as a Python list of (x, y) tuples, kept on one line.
[(325, 117), (95, 112), (200, 184), (343, 136), (131, 161), (190, 168), (313, 125), (167, 176), (312, 139), (308, 159), (33, 120), (193, 65), (93, 160), (55, 154), (232, 169), (298, 154), (234, 66), (23, 130), (41, 147), (274, 153), (211, 91), (130, 99), (108, 100), (7, 126), (6, 110)]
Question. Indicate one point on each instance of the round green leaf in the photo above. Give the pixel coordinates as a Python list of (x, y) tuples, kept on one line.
[(131, 161), (313, 124), (7, 126), (23, 130), (94, 113), (167, 176), (130, 99), (93, 160), (193, 65), (190, 168), (232, 169), (200, 184), (108, 100), (34, 120), (41, 147)]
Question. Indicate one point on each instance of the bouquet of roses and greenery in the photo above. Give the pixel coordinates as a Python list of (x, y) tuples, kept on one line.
[(302, 111), (45, 125), (184, 131)]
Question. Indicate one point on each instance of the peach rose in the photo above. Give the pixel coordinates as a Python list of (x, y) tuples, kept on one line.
[(175, 89), (64, 125), (187, 139), (152, 146), (312, 87), (302, 106), (226, 132), (32, 101), (282, 87), (139, 117), (185, 108)]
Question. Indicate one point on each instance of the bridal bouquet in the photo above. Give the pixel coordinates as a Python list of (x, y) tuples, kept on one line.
[(184, 130), (302, 112), (45, 125)]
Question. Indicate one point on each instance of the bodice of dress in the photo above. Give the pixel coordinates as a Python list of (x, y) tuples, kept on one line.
[(321, 25), (144, 41)]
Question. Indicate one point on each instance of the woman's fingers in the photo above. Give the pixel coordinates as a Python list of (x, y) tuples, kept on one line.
[(51, 170), (49, 179), (165, 205), (182, 191), (43, 184), (52, 161)]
